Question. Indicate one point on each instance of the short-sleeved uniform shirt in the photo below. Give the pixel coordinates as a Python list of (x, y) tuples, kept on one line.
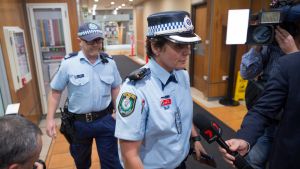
[(160, 117), (89, 85)]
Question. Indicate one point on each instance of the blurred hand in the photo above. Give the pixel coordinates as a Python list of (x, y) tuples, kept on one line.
[(239, 145), (113, 115), (38, 165), (198, 149), (285, 41), (51, 127)]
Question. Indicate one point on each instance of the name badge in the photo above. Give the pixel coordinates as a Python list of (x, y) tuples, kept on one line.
[(79, 76)]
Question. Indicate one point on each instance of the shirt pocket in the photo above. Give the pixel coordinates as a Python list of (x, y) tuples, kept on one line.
[(79, 84), (79, 81), (106, 82)]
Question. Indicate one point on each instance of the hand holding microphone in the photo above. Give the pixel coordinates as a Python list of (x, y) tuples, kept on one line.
[(211, 132)]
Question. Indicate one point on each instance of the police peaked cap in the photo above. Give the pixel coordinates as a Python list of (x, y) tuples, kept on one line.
[(175, 26), (90, 31)]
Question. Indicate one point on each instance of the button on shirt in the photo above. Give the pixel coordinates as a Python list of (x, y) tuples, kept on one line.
[(161, 118), (89, 85)]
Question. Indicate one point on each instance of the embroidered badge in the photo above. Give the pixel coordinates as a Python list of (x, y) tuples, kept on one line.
[(126, 104), (92, 26), (188, 23)]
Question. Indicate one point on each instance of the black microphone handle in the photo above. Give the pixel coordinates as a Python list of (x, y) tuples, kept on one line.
[(239, 161)]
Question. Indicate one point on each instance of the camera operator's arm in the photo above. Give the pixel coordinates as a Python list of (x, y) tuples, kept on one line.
[(252, 62), (285, 41)]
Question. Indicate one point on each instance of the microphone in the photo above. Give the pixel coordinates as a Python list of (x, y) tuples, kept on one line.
[(212, 132)]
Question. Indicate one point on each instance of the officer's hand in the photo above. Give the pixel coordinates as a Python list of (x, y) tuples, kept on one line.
[(198, 149), (51, 127), (113, 115), (238, 145), (285, 41)]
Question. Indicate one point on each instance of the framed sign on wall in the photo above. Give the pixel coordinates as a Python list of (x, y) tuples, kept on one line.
[(18, 56)]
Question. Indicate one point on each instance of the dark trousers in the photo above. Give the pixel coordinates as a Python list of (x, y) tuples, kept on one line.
[(181, 166), (103, 132)]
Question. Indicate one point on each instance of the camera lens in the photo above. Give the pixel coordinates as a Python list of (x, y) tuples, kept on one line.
[(263, 34)]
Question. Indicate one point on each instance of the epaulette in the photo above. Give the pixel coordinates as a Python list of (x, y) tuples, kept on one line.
[(138, 74), (104, 57), (70, 55)]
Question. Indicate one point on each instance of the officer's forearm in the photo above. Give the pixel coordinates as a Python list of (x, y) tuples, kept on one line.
[(114, 95), (194, 131), (130, 154), (53, 101)]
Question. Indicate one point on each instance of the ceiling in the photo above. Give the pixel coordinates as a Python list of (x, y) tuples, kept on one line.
[(106, 4)]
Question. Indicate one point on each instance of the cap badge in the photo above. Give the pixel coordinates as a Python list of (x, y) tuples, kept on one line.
[(188, 23), (92, 26)]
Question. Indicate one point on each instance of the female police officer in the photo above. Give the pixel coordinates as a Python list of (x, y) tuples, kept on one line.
[(154, 106)]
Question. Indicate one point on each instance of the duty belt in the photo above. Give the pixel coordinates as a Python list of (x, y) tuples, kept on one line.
[(92, 116)]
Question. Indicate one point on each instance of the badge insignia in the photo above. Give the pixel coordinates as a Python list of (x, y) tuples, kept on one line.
[(165, 102), (126, 104), (92, 26), (188, 23)]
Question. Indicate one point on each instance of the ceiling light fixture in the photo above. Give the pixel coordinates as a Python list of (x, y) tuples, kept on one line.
[(112, 3), (123, 4), (130, 0), (94, 6), (96, 0)]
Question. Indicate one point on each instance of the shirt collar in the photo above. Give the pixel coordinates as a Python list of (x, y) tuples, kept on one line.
[(83, 57), (159, 72)]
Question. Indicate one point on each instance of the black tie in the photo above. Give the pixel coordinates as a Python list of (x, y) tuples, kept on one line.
[(172, 78)]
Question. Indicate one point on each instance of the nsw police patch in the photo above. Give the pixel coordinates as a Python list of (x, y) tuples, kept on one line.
[(126, 104)]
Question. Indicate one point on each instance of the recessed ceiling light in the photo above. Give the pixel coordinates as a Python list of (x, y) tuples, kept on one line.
[(130, 0), (96, 0), (123, 4), (112, 2), (119, 7)]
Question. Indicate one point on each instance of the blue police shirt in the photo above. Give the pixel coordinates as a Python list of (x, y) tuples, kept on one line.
[(161, 118), (89, 85)]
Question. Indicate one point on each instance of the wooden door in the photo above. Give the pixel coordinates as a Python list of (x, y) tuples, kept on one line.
[(140, 37), (199, 60)]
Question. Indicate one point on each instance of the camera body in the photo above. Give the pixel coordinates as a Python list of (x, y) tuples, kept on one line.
[(261, 29)]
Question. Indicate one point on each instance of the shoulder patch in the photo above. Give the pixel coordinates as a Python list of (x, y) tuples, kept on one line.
[(127, 104), (71, 55), (139, 74)]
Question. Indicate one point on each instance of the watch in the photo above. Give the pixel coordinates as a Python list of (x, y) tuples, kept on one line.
[(196, 138)]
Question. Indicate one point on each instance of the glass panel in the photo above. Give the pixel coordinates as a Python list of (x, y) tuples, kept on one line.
[(49, 27), (117, 25)]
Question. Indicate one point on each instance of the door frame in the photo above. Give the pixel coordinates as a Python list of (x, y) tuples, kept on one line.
[(4, 86), (35, 42)]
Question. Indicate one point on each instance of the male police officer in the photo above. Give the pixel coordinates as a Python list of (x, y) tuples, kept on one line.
[(93, 82)]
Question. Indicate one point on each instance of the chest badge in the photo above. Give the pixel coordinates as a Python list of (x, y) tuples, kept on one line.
[(126, 104), (165, 102)]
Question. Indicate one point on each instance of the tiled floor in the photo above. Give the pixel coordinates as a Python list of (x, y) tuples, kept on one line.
[(57, 154)]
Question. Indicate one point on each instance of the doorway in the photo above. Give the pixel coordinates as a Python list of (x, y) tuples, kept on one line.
[(199, 60)]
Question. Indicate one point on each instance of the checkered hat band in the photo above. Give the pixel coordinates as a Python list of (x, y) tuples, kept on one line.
[(174, 27), (88, 32)]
